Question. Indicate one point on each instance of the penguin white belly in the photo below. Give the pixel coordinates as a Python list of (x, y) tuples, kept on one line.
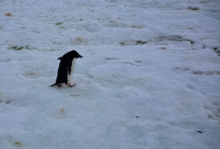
[(69, 76)]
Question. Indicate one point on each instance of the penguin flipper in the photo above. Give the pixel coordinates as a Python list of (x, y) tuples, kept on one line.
[(60, 58), (69, 69), (72, 85)]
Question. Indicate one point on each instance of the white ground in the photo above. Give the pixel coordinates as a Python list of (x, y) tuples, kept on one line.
[(149, 77)]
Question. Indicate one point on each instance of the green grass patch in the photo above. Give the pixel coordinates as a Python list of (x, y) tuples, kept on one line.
[(18, 48), (175, 38), (194, 27), (122, 43), (137, 27), (139, 42), (59, 23)]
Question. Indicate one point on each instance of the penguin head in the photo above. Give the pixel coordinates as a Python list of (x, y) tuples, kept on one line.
[(75, 54), (70, 55)]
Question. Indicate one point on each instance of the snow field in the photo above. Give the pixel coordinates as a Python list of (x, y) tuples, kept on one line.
[(149, 77)]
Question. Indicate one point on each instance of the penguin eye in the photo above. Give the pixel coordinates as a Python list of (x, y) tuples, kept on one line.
[(78, 56)]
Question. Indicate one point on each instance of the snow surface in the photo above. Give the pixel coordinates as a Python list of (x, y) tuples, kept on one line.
[(149, 77)]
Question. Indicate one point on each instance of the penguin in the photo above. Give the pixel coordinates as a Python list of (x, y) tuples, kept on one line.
[(66, 68)]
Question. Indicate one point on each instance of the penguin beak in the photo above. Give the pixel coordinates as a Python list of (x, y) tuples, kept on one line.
[(79, 56)]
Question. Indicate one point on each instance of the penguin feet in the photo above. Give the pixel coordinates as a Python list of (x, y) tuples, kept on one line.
[(59, 85), (71, 85)]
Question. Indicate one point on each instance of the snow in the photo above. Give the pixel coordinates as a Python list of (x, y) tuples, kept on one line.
[(149, 77)]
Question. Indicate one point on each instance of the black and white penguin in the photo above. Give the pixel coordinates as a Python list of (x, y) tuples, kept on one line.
[(66, 68)]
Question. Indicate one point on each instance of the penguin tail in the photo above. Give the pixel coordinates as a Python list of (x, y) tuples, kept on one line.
[(53, 85), (56, 84)]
